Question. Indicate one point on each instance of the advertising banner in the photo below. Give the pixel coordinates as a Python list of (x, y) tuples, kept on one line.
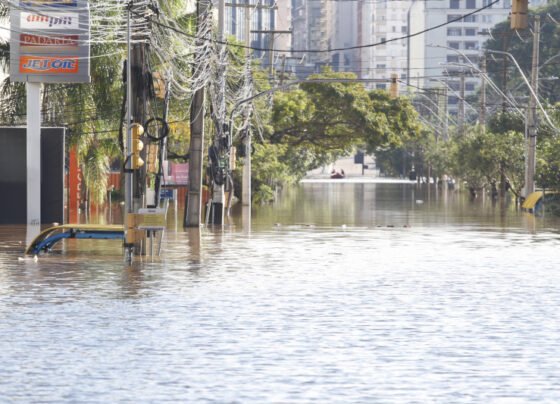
[(48, 21), (48, 3), (50, 41)]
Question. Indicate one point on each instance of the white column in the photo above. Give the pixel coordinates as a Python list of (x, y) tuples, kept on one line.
[(33, 142)]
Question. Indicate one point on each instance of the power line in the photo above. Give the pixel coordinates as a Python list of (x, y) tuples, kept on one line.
[(324, 50)]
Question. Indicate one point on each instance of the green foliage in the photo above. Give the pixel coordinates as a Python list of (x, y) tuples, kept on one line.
[(320, 122), (481, 157), (548, 164), (506, 75)]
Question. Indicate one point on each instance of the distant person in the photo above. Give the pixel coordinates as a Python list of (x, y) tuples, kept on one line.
[(342, 172)]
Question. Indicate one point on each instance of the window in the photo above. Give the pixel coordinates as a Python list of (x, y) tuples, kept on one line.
[(470, 31), (454, 4), (453, 100), (487, 19), (381, 86), (403, 29), (453, 31), (487, 3), (469, 87), (454, 45), (453, 17), (470, 18), (380, 66), (471, 4), (382, 39), (471, 45), (507, 3), (452, 58)]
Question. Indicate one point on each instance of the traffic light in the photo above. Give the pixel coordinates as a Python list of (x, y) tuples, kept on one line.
[(394, 89), (519, 11), (137, 145)]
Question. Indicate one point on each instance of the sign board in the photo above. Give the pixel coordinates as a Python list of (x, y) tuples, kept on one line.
[(50, 41), (175, 174), (48, 3), (151, 219), (167, 193)]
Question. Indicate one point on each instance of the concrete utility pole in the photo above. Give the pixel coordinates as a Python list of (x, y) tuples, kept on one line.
[(532, 124), (193, 206), (137, 95), (246, 177), (218, 192), (482, 118), (138, 111), (461, 116)]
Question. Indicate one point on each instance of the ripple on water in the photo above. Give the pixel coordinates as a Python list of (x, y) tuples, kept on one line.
[(446, 313)]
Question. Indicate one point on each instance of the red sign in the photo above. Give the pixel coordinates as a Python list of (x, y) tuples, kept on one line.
[(66, 41), (176, 173), (48, 65), (74, 186)]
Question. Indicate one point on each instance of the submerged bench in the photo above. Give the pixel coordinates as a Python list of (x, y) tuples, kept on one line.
[(49, 237)]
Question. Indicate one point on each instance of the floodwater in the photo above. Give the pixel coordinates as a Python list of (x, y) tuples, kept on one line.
[(339, 293)]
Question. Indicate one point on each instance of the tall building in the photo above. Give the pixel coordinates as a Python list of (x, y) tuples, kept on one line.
[(312, 24), (345, 35), (384, 30), (263, 16), (453, 47)]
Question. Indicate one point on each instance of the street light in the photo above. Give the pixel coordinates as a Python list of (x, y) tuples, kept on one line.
[(536, 98), (492, 85)]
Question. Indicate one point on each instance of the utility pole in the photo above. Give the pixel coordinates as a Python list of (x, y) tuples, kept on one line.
[(128, 175), (137, 93), (532, 124), (482, 118), (218, 192), (246, 177), (272, 34), (193, 206), (461, 115)]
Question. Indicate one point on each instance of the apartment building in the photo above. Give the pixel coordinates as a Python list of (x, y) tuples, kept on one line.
[(385, 28), (262, 16), (313, 28), (458, 44)]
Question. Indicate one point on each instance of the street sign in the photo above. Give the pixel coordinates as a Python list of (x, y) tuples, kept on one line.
[(50, 41)]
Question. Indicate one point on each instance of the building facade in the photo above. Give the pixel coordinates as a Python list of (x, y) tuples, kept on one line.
[(458, 45), (386, 30), (264, 16)]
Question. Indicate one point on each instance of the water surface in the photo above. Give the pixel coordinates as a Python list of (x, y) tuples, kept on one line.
[(339, 292)]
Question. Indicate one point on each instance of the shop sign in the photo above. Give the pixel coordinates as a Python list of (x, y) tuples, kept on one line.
[(48, 65), (45, 41), (48, 21)]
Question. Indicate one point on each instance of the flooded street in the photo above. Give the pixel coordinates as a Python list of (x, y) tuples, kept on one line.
[(340, 292)]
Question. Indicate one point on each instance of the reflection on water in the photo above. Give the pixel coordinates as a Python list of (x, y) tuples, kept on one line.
[(340, 293)]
